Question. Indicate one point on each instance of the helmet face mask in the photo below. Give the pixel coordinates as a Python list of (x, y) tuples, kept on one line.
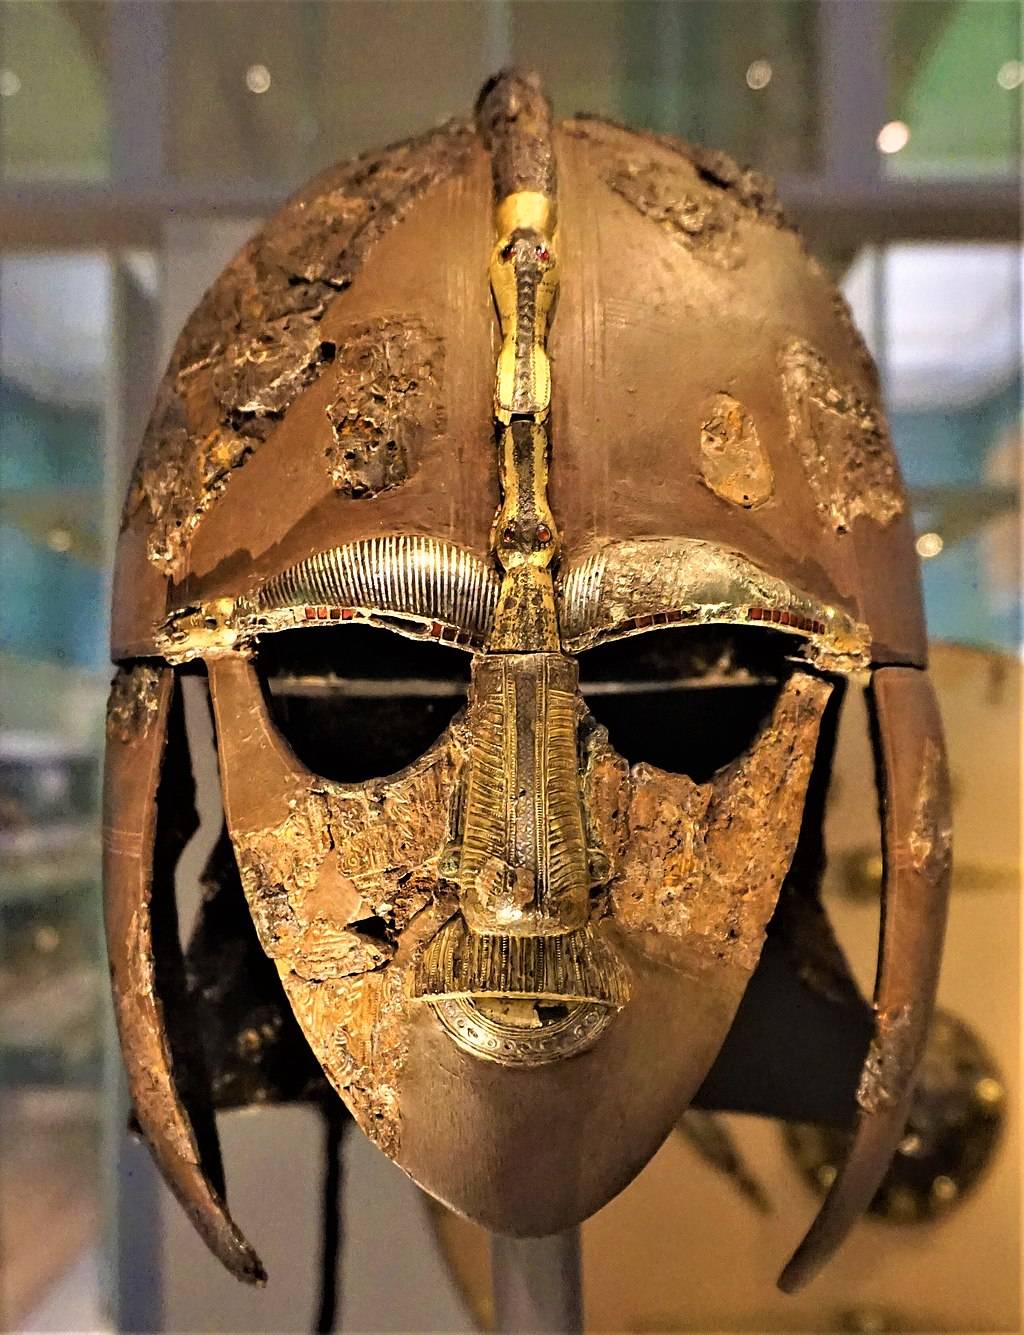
[(417, 550)]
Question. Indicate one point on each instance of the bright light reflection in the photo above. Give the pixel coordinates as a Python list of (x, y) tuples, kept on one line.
[(1011, 75), (10, 84), (893, 137), (929, 545), (59, 539), (759, 74), (257, 78)]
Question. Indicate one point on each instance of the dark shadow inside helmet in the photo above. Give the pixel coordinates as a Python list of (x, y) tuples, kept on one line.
[(357, 702), (686, 700), (253, 1047)]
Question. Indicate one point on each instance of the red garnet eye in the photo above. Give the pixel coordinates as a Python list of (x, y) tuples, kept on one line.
[(507, 250), (543, 253), (543, 533)]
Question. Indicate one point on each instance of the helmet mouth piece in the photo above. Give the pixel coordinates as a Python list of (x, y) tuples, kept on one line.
[(520, 1031), (576, 968)]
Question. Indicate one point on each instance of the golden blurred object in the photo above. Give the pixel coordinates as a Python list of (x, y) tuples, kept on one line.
[(989, 1090), (868, 1321), (64, 521)]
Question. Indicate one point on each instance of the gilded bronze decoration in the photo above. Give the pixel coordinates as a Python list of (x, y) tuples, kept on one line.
[(629, 587), (133, 703), (425, 586), (464, 426), (733, 462)]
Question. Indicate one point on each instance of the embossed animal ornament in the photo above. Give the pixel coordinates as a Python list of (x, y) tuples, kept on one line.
[(516, 956)]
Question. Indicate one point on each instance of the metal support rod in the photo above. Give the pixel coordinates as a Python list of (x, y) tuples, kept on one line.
[(537, 1284), (41, 215), (138, 42), (852, 59)]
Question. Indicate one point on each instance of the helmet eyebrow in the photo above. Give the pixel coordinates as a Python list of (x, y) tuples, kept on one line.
[(416, 585), (630, 587)]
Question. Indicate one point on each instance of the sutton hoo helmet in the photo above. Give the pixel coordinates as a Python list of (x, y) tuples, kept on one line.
[(546, 399)]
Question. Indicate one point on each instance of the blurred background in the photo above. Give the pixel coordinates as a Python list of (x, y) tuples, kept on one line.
[(140, 143)]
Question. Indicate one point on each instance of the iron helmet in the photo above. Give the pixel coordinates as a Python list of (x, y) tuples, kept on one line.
[(506, 413)]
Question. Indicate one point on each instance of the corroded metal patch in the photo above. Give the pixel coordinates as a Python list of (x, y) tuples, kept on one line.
[(892, 1057), (253, 342), (264, 369), (514, 118), (325, 232), (703, 861), (702, 222), (734, 192), (734, 463), (331, 889), (358, 1028), (931, 834), (342, 857), (388, 393), (133, 703), (750, 189), (841, 440)]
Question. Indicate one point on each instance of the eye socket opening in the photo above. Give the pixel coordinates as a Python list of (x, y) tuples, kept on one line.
[(358, 702), (687, 700)]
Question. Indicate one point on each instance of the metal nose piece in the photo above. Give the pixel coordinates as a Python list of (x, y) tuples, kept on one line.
[(523, 868), (523, 873)]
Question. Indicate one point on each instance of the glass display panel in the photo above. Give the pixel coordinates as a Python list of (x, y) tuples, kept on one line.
[(264, 93), (54, 109), (946, 331), (955, 78), (53, 680), (281, 89)]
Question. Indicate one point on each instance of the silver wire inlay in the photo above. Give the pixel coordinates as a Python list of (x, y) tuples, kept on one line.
[(400, 573)]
